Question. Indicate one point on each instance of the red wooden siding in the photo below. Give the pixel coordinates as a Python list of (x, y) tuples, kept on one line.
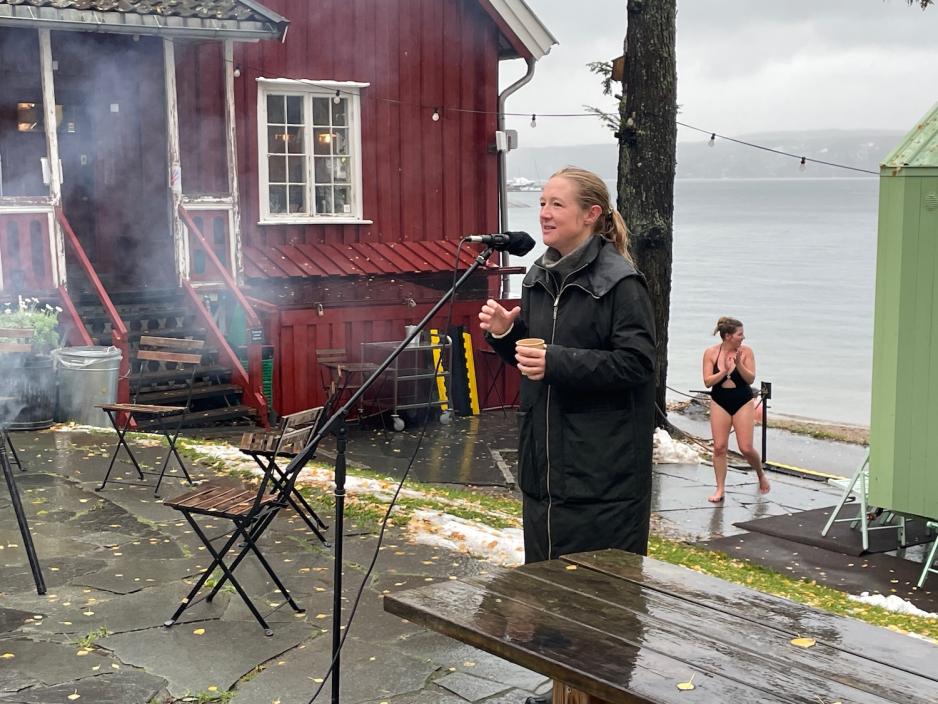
[(200, 92), (297, 379), (422, 180), (25, 255)]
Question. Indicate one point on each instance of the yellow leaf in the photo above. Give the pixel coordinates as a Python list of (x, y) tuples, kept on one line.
[(73, 696), (571, 567), (212, 688), (803, 642), (7, 656), (687, 686), (199, 631)]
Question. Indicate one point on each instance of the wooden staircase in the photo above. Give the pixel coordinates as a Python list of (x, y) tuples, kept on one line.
[(215, 400)]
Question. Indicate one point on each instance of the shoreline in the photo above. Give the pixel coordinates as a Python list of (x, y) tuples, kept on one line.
[(798, 425)]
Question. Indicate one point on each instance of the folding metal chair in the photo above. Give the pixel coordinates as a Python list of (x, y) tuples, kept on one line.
[(856, 489), (266, 446), (930, 558), (251, 512), (154, 351)]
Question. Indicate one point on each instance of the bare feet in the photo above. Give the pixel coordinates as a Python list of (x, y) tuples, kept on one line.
[(716, 498), (763, 483)]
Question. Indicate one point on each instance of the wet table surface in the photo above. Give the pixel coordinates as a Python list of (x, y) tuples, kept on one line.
[(625, 628)]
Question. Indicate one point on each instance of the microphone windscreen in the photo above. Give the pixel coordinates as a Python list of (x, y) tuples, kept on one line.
[(519, 243)]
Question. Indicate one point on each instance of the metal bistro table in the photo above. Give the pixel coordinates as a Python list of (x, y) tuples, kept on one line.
[(610, 626), (411, 377)]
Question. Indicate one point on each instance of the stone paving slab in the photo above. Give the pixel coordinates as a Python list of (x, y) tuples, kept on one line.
[(470, 687), (124, 687)]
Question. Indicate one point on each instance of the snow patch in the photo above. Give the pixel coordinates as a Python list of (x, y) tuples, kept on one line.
[(667, 450), (504, 546), (892, 603)]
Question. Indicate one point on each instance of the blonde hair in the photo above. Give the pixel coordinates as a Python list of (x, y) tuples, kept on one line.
[(727, 326), (590, 191)]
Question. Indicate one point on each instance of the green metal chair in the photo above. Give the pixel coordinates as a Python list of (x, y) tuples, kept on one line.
[(856, 490), (928, 565)]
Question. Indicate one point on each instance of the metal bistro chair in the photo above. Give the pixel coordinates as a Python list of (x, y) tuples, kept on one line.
[(251, 512), (185, 355), (264, 447), (930, 558), (341, 376), (856, 489), (20, 344)]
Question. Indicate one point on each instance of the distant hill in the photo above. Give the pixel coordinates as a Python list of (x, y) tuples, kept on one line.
[(857, 148)]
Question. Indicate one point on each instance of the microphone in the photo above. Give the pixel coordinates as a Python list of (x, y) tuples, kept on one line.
[(516, 243)]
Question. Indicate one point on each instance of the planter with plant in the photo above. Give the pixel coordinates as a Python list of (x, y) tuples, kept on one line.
[(27, 380)]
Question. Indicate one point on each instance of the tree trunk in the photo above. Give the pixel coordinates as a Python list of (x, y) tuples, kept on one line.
[(647, 137)]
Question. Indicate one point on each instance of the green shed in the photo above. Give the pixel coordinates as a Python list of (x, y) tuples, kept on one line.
[(904, 416)]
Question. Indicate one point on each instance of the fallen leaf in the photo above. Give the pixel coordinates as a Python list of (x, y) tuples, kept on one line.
[(571, 567), (803, 642), (7, 656), (73, 696), (687, 686), (199, 631)]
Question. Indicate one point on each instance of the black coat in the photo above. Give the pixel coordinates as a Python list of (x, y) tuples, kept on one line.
[(585, 446)]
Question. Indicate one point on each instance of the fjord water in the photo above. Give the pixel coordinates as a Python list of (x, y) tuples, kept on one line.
[(795, 260)]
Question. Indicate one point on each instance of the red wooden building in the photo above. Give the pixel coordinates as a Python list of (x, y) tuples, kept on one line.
[(293, 174)]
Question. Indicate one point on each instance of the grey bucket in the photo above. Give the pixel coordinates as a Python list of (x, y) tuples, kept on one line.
[(86, 376)]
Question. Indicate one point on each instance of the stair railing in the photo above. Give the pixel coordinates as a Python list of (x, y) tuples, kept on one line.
[(119, 333), (252, 380)]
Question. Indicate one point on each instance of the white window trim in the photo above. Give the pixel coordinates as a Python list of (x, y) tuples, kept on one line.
[(308, 88)]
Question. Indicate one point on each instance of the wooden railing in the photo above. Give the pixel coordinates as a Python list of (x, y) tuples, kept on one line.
[(76, 333), (119, 334), (252, 381)]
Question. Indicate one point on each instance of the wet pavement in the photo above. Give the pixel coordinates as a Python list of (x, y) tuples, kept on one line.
[(116, 564)]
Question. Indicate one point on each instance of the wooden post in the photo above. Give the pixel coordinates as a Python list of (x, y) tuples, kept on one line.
[(231, 146), (180, 241), (56, 241)]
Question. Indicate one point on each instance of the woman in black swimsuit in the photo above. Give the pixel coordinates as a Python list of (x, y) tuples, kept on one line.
[(728, 370)]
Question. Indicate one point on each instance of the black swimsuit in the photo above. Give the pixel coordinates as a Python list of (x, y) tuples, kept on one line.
[(731, 400)]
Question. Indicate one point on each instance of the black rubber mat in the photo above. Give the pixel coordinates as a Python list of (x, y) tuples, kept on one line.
[(805, 528), (873, 573)]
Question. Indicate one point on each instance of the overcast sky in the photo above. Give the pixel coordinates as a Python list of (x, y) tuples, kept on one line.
[(744, 66)]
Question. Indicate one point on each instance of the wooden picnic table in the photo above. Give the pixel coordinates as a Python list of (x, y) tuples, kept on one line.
[(623, 628)]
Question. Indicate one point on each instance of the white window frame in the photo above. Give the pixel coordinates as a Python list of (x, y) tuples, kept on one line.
[(309, 89)]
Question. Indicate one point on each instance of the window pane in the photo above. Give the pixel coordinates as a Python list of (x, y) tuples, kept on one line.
[(340, 112), (295, 140), (295, 109), (276, 169), (324, 200), (322, 141), (297, 199), (321, 111), (323, 169), (278, 199), (343, 199), (276, 140), (275, 113), (340, 141), (297, 172), (342, 170)]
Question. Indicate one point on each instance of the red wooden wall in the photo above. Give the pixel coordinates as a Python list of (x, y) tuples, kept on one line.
[(421, 179), (297, 378), (25, 255)]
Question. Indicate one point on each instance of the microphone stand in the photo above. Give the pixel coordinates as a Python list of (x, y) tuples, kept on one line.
[(20, 514), (336, 425)]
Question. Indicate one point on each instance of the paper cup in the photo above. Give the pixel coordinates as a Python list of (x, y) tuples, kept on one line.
[(535, 342)]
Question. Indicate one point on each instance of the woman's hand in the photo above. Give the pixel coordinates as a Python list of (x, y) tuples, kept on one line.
[(532, 362), (494, 318), (731, 362)]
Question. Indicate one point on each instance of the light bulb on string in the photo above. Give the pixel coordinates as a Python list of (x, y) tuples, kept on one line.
[(533, 120), (338, 98), (436, 115), (804, 165), (713, 139)]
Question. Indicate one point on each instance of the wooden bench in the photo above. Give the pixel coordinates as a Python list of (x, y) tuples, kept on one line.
[(617, 627)]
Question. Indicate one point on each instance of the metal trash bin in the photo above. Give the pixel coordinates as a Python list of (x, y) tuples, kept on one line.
[(86, 376)]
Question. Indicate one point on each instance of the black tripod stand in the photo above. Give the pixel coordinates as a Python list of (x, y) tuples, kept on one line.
[(18, 510), (336, 425)]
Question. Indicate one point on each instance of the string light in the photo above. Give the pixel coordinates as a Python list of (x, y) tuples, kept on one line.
[(713, 139), (804, 165), (533, 120), (237, 71), (436, 115), (338, 98)]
